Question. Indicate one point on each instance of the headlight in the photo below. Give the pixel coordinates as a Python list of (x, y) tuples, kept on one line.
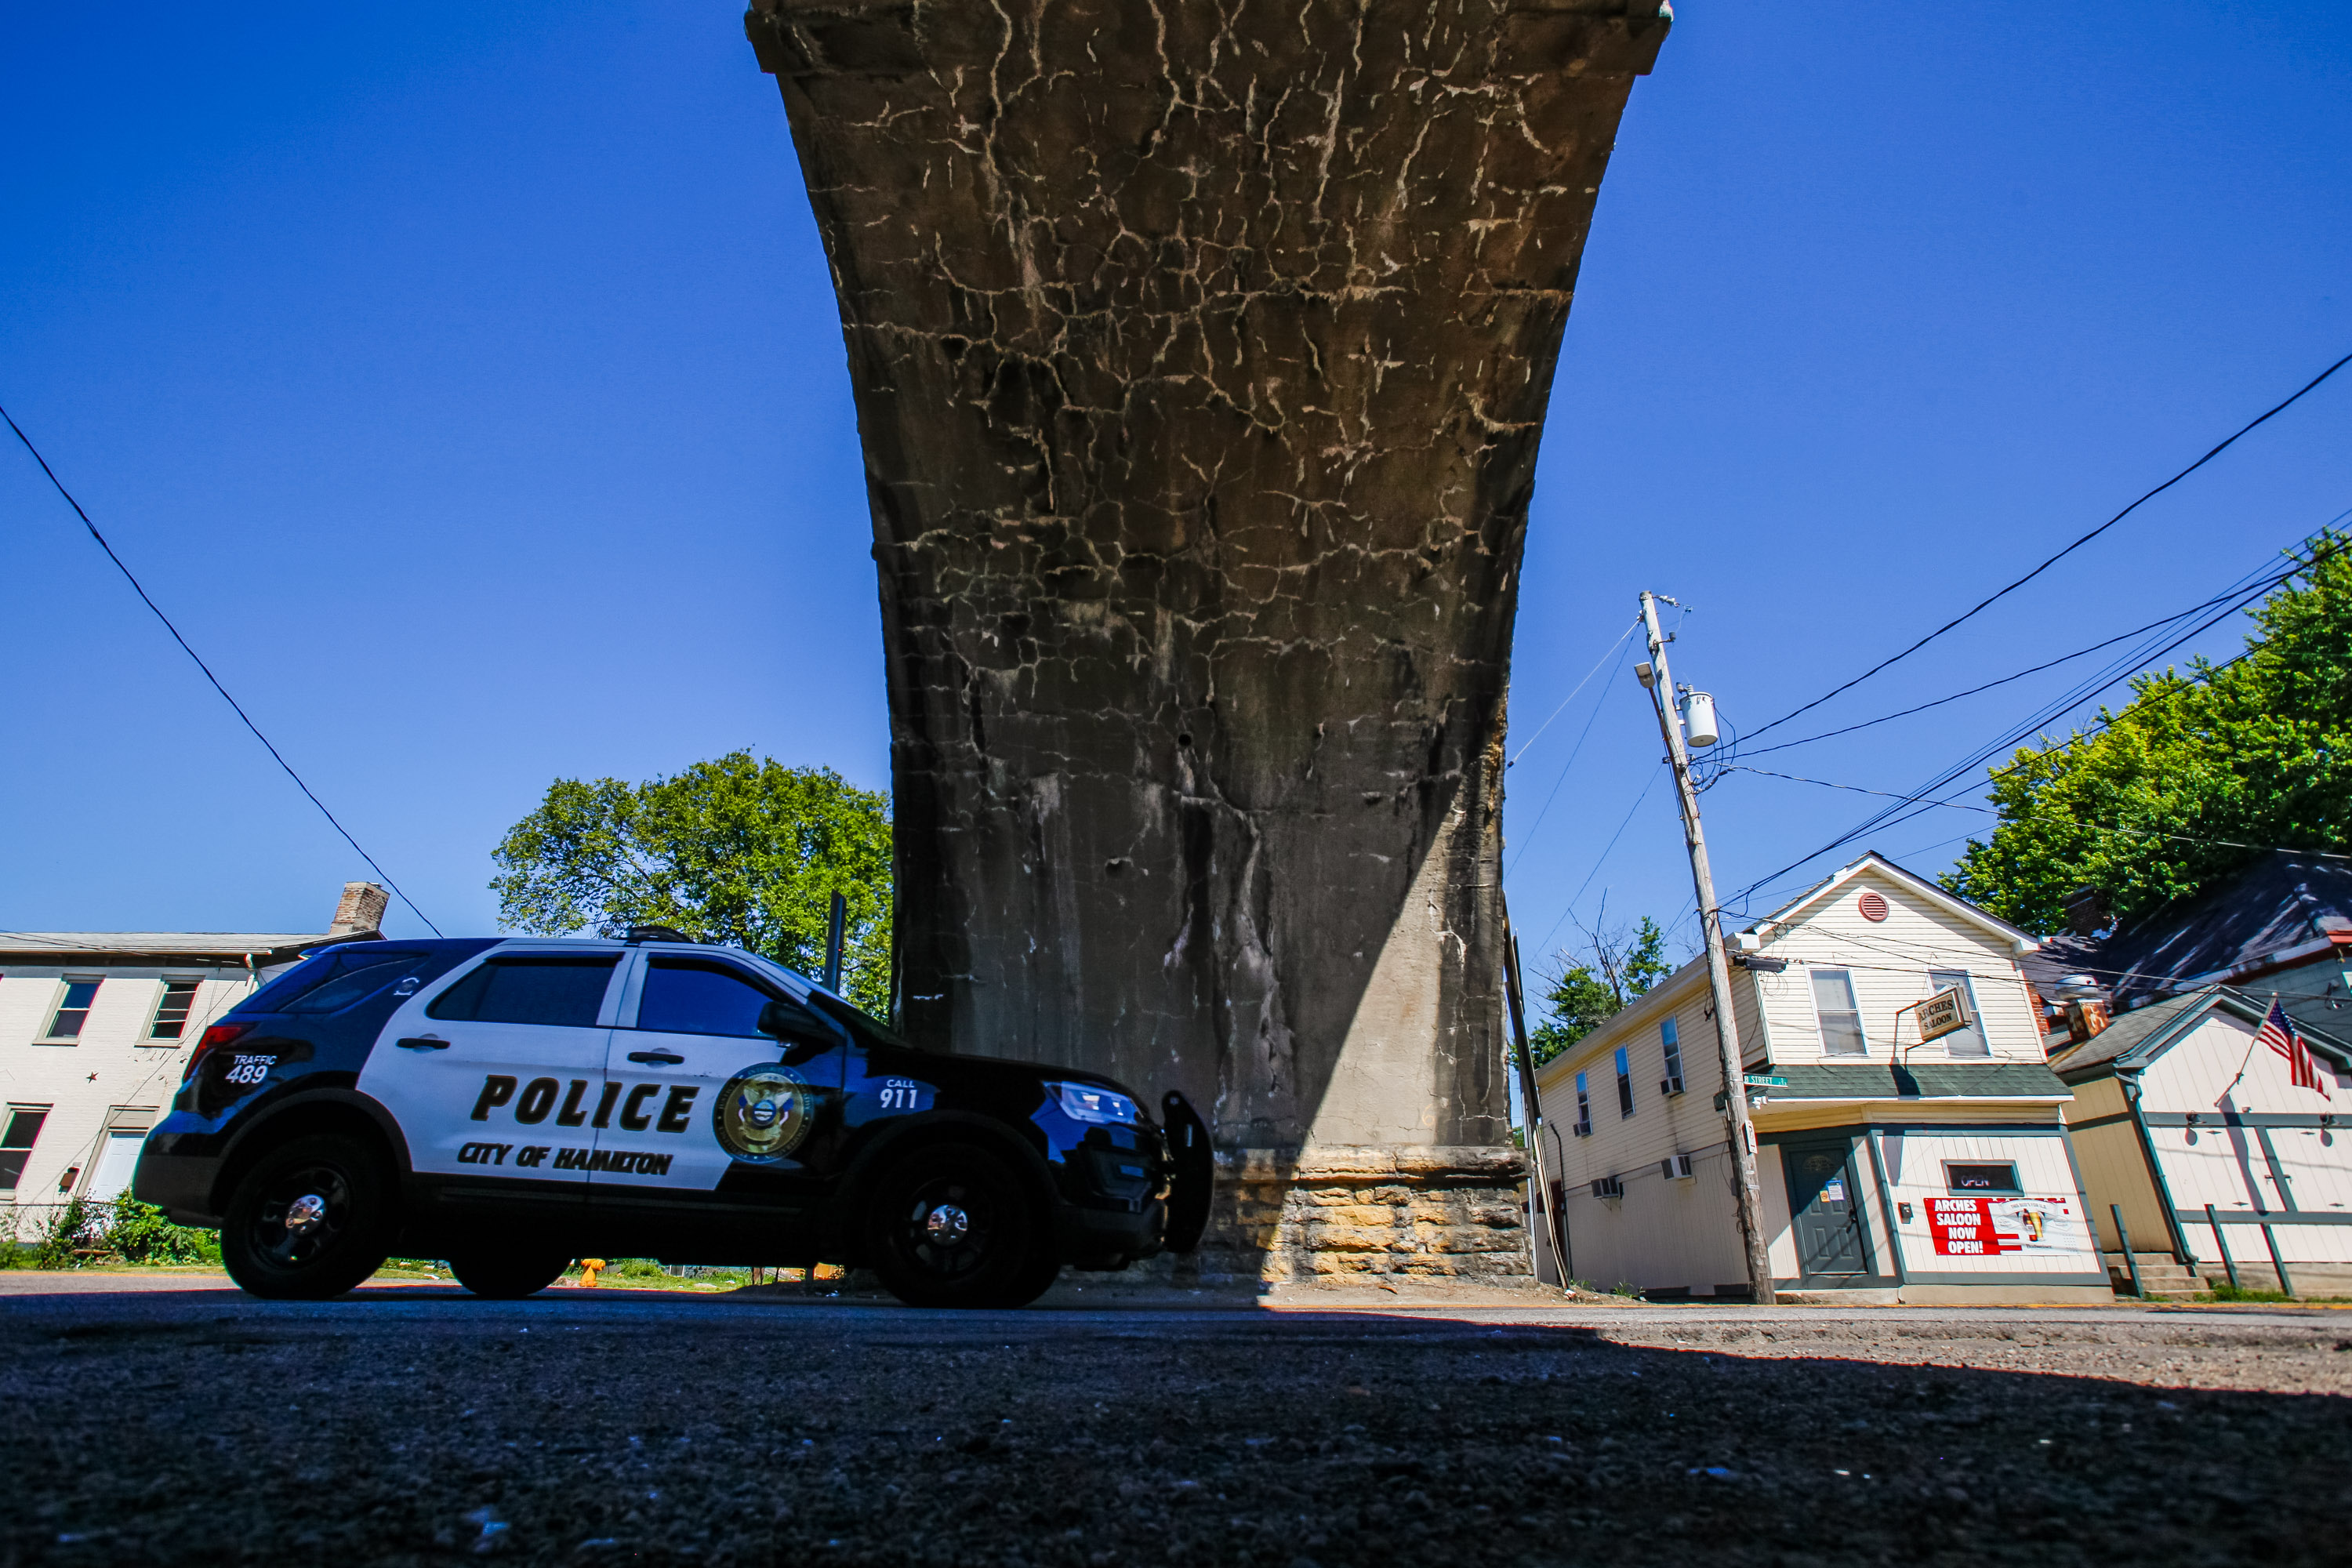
[(1091, 1103)]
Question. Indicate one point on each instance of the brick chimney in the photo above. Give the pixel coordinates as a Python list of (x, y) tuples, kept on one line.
[(2086, 912), (360, 910)]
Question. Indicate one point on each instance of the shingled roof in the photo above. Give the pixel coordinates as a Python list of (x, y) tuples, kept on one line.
[(2283, 906)]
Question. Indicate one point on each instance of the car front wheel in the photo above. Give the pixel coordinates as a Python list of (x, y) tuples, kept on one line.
[(310, 1221), (950, 1225)]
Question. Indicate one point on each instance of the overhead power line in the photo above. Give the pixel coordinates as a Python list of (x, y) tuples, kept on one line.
[(1991, 811), (1995, 597), (1924, 799), (234, 706)]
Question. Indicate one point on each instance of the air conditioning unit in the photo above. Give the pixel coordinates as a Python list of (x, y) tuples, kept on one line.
[(1670, 1086), (1608, 1187), (1583, 1128), (1676, 1168)]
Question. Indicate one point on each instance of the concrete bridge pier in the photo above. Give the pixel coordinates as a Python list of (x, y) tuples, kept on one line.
[(1200, 354)]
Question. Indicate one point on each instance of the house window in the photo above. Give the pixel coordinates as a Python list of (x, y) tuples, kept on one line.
[(1970, 1041), (22, 1126), (1674, 1045), (171, 1013), (73, 1011), (1986, 1178), (1624, 1084), (1840, 1020), (1584, 1109)]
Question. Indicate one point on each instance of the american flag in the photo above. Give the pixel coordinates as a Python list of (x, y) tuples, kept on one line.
[(2278, 1031)]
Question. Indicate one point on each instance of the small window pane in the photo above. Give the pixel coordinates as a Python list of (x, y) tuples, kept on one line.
[(17, 1138), (1674, 1047), (73, 1010), (561, 991), (1987, 1178), (688, 998), (1624, 1084), (172, 1011), (1833, 1004), (1970, 1041)]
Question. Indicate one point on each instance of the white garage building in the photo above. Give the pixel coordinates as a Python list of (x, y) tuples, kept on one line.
[(95, 1029)]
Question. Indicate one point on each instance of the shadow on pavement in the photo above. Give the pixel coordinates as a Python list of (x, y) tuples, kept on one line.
[(414, 1424)]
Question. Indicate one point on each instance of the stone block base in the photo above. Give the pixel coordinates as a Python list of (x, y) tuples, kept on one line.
[(1359, 1213)]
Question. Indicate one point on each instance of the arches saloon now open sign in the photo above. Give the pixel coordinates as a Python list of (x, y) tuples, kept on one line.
[(1987, 1227)]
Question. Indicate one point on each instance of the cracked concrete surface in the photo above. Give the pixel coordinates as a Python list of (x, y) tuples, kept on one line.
[(1200, 355)]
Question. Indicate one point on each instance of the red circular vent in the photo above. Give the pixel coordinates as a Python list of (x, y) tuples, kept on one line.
[(1873, 907)]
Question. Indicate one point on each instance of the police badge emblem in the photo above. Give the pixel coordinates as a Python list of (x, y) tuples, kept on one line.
[(762, 1114)]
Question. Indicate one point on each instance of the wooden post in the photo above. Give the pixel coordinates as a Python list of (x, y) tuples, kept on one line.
[(2222, 1242), (1555, 1222), (2286, 1284), (1747, 1189), (834, 926), (2129, 1261)]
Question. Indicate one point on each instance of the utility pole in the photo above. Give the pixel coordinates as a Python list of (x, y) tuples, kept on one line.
[(1749, 1189), (1547, 1201)]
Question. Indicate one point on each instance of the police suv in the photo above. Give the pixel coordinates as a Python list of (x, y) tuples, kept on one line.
[(510, 1105)]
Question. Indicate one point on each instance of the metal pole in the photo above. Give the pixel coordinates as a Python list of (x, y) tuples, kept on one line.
[(1747, 1190), (1555, 1223), (832, 937), (2130, 1262), (2222, 1242), (2286, 1284)]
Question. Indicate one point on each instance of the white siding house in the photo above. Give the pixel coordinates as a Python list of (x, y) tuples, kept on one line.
[(2218, 1161), (95, 1029), (1892, 1169)]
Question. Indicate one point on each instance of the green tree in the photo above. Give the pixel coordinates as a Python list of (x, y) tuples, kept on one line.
[(1586, 989), (738, 850), (2192, 777)]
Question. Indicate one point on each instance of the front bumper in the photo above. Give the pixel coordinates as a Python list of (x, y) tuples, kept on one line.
[(1133, 1192)]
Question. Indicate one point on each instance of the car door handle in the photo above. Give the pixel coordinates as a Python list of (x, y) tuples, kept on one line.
[(666, 1058), (422, 1043)]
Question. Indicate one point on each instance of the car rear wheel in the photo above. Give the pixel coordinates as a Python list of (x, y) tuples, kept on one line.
[(950, 1225), (508, 1274), (310, 1220)]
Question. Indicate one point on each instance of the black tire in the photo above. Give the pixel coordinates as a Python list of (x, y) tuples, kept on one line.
[(310, 1220), (508, 1274), (952, 1225)]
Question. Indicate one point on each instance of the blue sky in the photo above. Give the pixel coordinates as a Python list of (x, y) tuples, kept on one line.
[(466, 382)]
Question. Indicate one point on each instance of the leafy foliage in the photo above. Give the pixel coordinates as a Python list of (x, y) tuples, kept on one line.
[(2191, 778), (139, 1233), (68, 1227), (1583, 992), (735, 850)]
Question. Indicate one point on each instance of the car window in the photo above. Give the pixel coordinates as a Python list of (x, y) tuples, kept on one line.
[(562, 989), (334, 980), (695, 996)]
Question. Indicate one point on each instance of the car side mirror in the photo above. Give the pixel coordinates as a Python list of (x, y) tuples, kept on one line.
[(803, 1039)]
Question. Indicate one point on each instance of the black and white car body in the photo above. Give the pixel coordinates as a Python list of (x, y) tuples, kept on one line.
[(510, 1105)]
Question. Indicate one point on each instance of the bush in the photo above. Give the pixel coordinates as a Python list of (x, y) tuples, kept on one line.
[(70, 1227), (139, 1233)]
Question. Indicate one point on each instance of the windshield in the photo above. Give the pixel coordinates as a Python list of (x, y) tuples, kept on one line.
[(863, 1027)]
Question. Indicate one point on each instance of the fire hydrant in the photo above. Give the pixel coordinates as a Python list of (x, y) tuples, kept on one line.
[(588, 1270)]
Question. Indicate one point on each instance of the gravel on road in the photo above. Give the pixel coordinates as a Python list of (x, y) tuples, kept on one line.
[(417, 1426)]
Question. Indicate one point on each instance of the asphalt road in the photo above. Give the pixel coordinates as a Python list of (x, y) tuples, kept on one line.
[(152, 1420)]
